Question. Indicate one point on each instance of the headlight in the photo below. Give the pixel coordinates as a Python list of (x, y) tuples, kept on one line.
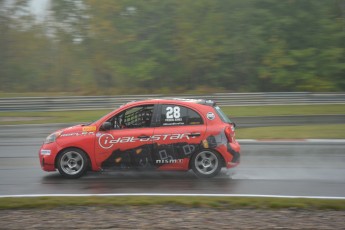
[(51, 138)]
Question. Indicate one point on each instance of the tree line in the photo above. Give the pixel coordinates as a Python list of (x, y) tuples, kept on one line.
[(172, 46)]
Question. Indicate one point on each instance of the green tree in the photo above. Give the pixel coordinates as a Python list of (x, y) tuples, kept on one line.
[(130, 46)]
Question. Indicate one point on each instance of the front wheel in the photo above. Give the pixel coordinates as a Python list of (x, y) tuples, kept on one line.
[(206, 163), (72, 163)]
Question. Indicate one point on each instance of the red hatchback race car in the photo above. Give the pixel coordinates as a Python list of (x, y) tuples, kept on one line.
[(161, 134)]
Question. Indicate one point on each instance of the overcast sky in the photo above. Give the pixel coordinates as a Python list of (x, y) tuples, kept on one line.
[(39, 8)]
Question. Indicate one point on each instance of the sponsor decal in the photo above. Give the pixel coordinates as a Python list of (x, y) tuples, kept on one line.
[(165, 158), (45, 152), (107, 141), (172, 161), (76, 134), (69, 134), (210, 116), (89, 129), (174, 123)]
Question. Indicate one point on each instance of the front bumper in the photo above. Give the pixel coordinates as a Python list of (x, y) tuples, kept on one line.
[(47, 155)]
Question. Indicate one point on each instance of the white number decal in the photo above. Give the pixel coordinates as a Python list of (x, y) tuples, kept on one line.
[(169, 113), (177, 113), (173, 112)]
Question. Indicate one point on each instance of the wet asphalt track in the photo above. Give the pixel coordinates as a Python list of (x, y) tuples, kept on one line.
[(296, 169)]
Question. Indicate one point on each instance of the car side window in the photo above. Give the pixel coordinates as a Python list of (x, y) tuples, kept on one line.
[(176, 115), (135, 117)]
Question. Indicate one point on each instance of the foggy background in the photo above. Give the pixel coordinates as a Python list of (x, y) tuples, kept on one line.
[(89, 47)]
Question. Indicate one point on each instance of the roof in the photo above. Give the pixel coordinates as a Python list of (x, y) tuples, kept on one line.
[(167, 100)]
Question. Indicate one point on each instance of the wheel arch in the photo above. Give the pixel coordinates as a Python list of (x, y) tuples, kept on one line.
[(73, 147), (206, 149)]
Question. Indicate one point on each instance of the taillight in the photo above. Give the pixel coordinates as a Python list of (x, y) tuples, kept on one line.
[(229, 133)]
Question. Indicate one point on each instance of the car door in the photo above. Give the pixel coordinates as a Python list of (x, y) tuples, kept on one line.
[(128, 143), (179, 134)]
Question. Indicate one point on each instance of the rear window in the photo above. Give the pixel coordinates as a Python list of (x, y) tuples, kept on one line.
[(222, 115)]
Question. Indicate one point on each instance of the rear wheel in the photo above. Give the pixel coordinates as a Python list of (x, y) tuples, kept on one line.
[(206, 163), (72, 163)]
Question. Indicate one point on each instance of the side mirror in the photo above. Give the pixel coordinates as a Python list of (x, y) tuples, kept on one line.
[(106, 126)]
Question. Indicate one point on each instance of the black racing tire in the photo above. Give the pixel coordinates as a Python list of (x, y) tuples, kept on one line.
[(206, 163), (72, 163)]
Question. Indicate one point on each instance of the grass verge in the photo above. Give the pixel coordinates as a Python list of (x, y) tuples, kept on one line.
[(276, 132), (284, 110), (45, 117), (335, 131), (211, 202)]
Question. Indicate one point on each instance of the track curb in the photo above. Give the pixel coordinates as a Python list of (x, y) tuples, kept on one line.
[(172, 195)]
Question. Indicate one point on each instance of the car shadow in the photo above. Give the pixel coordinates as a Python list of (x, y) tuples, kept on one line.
[(138, 182)]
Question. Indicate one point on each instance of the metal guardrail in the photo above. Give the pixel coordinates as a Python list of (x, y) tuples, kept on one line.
[(222, 99)]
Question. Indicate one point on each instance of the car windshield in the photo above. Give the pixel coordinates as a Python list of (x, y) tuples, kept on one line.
[(222, 115), (93, 122)]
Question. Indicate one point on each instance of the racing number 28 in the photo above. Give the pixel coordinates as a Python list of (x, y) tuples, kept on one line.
[(173, 112)]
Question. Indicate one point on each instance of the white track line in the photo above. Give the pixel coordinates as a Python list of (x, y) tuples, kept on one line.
[(170, 194)]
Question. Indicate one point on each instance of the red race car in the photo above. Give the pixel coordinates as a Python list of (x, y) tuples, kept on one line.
[(160, 134)]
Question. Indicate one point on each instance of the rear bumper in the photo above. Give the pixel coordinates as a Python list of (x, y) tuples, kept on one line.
[(234, 150)]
